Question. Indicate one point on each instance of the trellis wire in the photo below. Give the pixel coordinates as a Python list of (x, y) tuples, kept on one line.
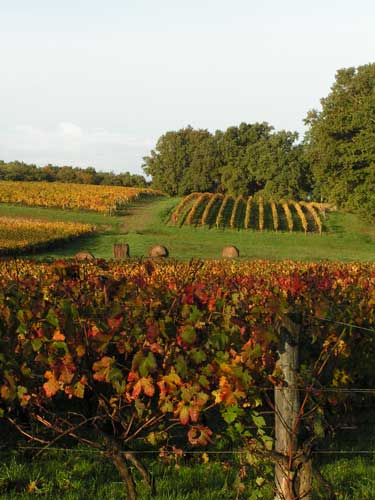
[(342, 323), (184, 452)]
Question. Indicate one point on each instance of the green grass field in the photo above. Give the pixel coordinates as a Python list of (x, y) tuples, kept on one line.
[(345, 238)]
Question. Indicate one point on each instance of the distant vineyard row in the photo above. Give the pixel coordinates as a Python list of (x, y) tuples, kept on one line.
[(103, 199), (249, 213), (19, 235)]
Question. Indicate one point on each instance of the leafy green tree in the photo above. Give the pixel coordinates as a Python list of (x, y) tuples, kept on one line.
[(256, 159), (341, 141), (244, 159), (17, 171), (232, 145), (277, 163), (234, 179), (183, 161)]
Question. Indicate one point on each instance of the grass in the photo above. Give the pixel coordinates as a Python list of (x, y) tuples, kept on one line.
[(351, 472), (83, 475), (346, 238), (353, 478)]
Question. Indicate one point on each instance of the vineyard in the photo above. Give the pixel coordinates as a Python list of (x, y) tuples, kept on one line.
[(102, 199), (160, 356), (218, 210), (23, 235)]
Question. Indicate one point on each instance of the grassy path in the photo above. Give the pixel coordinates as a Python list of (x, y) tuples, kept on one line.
[(143, 215)]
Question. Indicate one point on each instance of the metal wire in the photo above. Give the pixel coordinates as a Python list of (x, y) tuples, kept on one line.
[(316, 389), (342, 323), (193, 452)]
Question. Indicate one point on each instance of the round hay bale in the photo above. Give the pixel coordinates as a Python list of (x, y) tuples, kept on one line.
[(84, 256), (230, 252), (158, 251)]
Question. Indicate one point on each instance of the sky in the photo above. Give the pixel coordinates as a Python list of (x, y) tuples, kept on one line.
[(96, 83)]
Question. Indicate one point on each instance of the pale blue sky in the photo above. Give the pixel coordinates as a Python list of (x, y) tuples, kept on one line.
[(88, 82)]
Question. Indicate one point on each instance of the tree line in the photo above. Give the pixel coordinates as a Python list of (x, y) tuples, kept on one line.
[(20, 171), (334, 161), (244, 159)]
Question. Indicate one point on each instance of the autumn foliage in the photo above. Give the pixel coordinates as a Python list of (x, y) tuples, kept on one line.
[(144, 352), (97, 198), (18, 234)]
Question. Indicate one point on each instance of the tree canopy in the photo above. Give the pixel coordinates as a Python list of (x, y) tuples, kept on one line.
[(183, 161), (340, 142), (268, 162), (243, 159)]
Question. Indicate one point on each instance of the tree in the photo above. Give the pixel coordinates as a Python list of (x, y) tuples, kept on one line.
[(183, 161), (277, 164), (233, 144), (254, 159), (341, 141), (17, 171), (244, 159)]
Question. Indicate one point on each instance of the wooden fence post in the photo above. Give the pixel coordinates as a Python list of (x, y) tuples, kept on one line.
[(292, 472), (120, 250)]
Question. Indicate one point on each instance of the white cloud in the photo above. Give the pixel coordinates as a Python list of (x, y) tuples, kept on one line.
[(69, 144)]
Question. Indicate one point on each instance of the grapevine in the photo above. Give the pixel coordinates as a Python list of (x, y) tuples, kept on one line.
[(209, 205), (311, 209), (288, 215), (184, 203), (275, 217), (248, 213), (237, 215), (322, 207), (261, 214), (196, 204), (237, 202), (301, 215), (220, 214), (109, 352), (20, 235), (103, 199)]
